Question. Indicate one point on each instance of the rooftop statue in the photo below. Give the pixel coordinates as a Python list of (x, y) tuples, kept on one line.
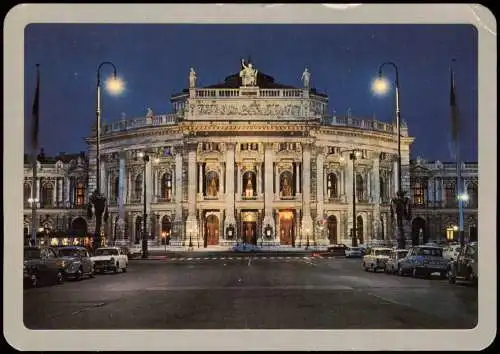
[(192, 78), (306, 78), (248, 74)]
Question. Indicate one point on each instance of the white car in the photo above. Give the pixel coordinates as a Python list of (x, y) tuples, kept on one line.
[(353, 252), (110, 259), (375, 258), (135, 252), (451, 252)]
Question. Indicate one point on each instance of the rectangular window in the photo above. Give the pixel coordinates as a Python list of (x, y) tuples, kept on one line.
[(418, 194)]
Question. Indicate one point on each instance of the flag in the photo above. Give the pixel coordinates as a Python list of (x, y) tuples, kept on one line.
[(36, 113), (454, 111)]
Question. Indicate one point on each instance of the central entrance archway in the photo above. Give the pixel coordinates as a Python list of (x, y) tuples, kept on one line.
[(212, 230), (287, 227), (249, 227), (332, 229), (418, 234)]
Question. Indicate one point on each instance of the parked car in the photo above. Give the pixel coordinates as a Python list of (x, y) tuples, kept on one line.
[(451, 252), (353, 252), (41, 265), (110, 259), (337, 250), (375, 258), (392, 264), (76, 262), (423, 260), (465, 266), (135, 251)]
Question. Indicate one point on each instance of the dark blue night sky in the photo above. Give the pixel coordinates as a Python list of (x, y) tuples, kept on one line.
[(154, 60)]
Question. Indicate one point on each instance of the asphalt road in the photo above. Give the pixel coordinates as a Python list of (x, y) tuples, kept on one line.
[(266, 292)]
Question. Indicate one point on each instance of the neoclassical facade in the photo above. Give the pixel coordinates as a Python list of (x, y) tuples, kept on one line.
[(250, 159)]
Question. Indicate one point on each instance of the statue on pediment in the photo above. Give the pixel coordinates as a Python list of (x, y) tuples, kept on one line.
[(192, 78), (306, 78), (248, 74)]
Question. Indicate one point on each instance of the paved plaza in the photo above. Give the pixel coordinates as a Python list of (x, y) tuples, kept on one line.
[(250, 292)]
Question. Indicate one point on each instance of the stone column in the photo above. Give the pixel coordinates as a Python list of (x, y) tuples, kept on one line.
[(238, 182), (342, 184), (120, 226), (376, 198), (130, 186), (268, 193), (230, 217), (60, 191), (54, 193), (348, 195), (395, 178), (222, 182), (191, 222), (307, 223), (178, 225), (258, 179), (276, 181), (38, 192), (200, 179), (430, 188), (297, 190), (67, 191), (320, 185)]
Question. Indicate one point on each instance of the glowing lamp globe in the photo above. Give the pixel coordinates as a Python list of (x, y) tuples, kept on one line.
[(114, 85), (380, 86)]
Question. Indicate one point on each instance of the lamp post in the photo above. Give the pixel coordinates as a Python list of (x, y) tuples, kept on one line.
[(353, 155), (381, 86), (97, 199), (145, 159), (462, 198)]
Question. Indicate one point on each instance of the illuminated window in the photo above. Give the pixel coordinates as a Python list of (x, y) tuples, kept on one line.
[(331, 185), (138, 187), (418, 193), (449, 193), (450, 233), (80, 194), (26, 192), (47, 194), (360, 188), (166, 186)]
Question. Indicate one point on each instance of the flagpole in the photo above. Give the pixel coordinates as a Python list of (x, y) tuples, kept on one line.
[(34, 142)]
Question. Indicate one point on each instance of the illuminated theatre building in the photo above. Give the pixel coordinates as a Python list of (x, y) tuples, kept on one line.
[(251, 160)]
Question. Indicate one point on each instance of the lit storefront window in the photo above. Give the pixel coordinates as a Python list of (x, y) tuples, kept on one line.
[(54, 241), (65, 241)]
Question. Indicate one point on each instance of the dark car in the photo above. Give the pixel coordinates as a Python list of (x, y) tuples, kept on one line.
[(42, 265), (337, 250), (76, 262)]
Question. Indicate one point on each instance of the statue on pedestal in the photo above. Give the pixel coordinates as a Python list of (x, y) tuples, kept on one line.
[(248, 74), (192, 78), (306, 78)]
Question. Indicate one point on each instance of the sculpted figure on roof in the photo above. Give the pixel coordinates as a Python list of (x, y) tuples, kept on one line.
[(248, 74)]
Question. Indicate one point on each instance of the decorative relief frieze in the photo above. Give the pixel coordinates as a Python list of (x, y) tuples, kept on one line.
[(293, 109)]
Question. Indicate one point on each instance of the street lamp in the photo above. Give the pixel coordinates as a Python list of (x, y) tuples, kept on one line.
[(354, 154), (145, 159), (98, 200), (380, 87)]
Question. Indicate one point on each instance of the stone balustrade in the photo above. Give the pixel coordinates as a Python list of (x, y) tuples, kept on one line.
[(269, 93)]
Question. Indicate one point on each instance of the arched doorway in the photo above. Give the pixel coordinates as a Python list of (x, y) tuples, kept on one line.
[(79, 227), (359, 229), (138, 229), (166, 227), (211, 230), (418, 232), (286, 227), (332, 229)]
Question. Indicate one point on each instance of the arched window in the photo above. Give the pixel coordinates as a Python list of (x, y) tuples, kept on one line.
[(26, 192), (331, 185), (166, 186), (360, 188), (80, 194), (472, 194), (138, 187), (47, 194)]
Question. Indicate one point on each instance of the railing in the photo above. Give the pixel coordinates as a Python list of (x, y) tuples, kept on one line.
[(224, 92), (368, 124), (123, 125)]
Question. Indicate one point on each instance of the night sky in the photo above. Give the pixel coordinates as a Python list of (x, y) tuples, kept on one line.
[(154, 60)]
